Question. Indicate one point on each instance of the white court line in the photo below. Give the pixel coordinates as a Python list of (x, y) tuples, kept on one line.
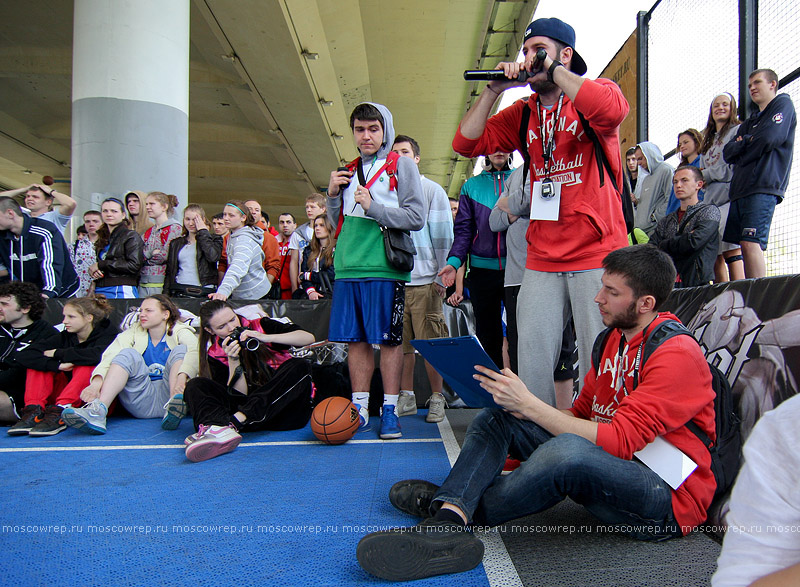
[(500, 570), (183, 446)]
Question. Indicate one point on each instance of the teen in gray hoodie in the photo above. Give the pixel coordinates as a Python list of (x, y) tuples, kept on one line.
[(653, 187), (245, 278)]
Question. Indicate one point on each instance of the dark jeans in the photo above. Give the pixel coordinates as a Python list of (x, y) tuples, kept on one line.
[(486, 291), (615, 490), (284, 403)]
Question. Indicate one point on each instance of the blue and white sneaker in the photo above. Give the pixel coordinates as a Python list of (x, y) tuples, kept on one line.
[(90, 418), (363, 416), (175, 411), (390, 423)]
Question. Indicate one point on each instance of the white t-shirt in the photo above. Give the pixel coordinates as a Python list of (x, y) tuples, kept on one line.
[(764, 517), (59, 220)]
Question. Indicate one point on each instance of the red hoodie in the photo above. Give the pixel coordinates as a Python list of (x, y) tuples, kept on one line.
[(590, 222), (674, 387)]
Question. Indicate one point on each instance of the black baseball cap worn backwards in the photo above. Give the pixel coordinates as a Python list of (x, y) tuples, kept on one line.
[(560, 31)]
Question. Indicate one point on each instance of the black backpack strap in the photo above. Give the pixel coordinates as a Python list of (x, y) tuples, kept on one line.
[(604, 165), (523, 140), (662, 333), (597, 348)]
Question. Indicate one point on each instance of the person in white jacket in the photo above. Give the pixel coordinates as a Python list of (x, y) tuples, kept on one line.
[(245, 278), (147, 367)]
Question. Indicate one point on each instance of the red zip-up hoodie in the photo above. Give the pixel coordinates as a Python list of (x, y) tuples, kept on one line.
[(674, 387), (590, 223)]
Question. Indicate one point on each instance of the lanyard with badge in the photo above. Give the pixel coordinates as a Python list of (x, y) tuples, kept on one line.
[(546, 194)]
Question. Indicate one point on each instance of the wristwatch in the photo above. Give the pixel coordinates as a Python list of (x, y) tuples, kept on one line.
[(552, 68)]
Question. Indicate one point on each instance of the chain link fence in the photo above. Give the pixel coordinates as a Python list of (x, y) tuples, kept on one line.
[(779, 49), (693, 55)]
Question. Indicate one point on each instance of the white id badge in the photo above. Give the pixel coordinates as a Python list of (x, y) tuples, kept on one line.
[(545, 202)]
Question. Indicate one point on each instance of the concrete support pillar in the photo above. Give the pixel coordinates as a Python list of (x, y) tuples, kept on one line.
[(130, 99)]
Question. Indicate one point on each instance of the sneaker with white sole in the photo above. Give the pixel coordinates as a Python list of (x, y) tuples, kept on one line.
[(436, 405), (90, 418), (176, 410), (212, 441), (363, 416), (390, 423), (406, 404)]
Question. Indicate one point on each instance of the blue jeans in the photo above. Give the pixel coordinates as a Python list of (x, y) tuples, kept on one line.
[(617, 491)]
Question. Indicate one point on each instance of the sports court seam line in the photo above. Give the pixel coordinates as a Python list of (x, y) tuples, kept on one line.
[(497, 564), (183, 446)]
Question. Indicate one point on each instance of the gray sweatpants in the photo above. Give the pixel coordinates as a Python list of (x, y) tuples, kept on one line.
[(545, 303), (141, 396)]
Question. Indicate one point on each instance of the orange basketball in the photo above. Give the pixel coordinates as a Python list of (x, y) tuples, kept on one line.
[(334, 420)]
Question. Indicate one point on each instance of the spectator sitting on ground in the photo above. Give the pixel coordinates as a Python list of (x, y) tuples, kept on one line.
[(585, 453), (241, 389), (720, 130), (120, 254), (317, 272), (21, 309), (690, 235), (191, 269), (652, 187), (60, 366), (34, 251), (147, 367)]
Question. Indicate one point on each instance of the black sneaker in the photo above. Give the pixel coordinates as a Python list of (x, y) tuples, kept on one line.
[(49, 424), (428, 549), (413, 496), (27, 421)]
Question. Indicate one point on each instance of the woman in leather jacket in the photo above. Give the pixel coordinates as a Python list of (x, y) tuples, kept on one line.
[(192, 257), (120, 254)]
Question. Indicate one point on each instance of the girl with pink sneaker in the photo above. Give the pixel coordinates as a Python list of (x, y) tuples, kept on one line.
[(248, 380)]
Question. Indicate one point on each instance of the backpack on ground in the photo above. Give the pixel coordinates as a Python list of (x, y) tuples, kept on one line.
[(726, 453)]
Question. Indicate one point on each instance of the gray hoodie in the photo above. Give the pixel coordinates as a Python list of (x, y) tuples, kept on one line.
[(652, 190), (245, 278), (519, 202)]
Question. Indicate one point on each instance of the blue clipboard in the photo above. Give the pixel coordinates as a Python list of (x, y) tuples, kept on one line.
[(454, 359)]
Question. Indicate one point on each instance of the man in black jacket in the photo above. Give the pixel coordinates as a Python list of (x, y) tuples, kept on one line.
[(21, 309), (690, 235), (761, 156), (33, 250)]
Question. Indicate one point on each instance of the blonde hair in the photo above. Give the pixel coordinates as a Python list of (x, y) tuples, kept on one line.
[(167, 200), (193, 208)]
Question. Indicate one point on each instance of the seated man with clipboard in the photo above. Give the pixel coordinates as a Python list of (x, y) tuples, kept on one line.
[(627, 408)]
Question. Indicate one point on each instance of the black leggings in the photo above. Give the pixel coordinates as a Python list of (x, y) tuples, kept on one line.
[(284, 403)]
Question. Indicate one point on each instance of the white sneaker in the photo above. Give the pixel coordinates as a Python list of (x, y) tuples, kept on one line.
[(363, 415), (90, 418), (212, 441), (406, 404), (436, 405)]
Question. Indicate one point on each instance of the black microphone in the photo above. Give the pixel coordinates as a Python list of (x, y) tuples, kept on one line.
[(488, 75)]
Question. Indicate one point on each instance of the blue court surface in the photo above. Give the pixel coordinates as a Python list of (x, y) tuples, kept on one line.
[(128, 508)]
